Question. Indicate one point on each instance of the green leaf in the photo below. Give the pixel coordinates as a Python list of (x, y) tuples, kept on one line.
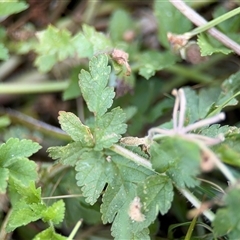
[(92, 175), (209, 45), (232, 84), (152, 61), (14, 149), (120, 22), (156, 194), (4, 175), (11, 7), (54, 45), (125, 177), (180, 159), (72, 125), (3, 51), (108, 128), (30, 194), (93, 84), (169, 19), (82, 45), (22, 214), (23, 170), (98, 40), (73, 90), (69, 154), (45, 63), (228, 150), (14, 163), (49, 234), (226, 220), (54, 213)]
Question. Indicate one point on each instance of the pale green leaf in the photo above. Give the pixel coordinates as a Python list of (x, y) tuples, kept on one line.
[(54, 213), (4, 175), (179, 159), (54, 45), (30, 194), (208, 46), (93, 84), (73, 126), (45, 62), (3, 51), (92, 175), (82, 45), (49, 234), (22, 214), (169, 19), (108, 128), (69, 154), (11, 7), (98, 40)]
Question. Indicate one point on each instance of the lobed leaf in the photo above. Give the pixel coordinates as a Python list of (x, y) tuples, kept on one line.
[(22, 214), (54, 45), (152, 61), (226, 220), (209, 45), (92, 175), (108, 128), (69, 154), (72, 125), (49, 233), (54, 213), (180, 159), (93, 84), (4, 176), (14, 149), (121, 190)]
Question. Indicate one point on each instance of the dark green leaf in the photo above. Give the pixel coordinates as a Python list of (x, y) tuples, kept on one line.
[(92, 175), (180, 159)]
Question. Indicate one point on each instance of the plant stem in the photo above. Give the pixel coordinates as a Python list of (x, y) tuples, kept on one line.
[(75, 229), (215, 22), (199, 21), (196, 203), (34, 124), (130, 155), (27, 88), (63, 196)]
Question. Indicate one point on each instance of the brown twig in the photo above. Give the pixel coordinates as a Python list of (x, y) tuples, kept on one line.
[(199, 20)]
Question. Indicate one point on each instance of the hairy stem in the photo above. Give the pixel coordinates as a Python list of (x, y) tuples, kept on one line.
[(200, 21), (130, 155), (196, 203)]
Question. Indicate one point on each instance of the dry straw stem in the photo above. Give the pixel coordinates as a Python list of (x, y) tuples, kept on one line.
[(199, 21)]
